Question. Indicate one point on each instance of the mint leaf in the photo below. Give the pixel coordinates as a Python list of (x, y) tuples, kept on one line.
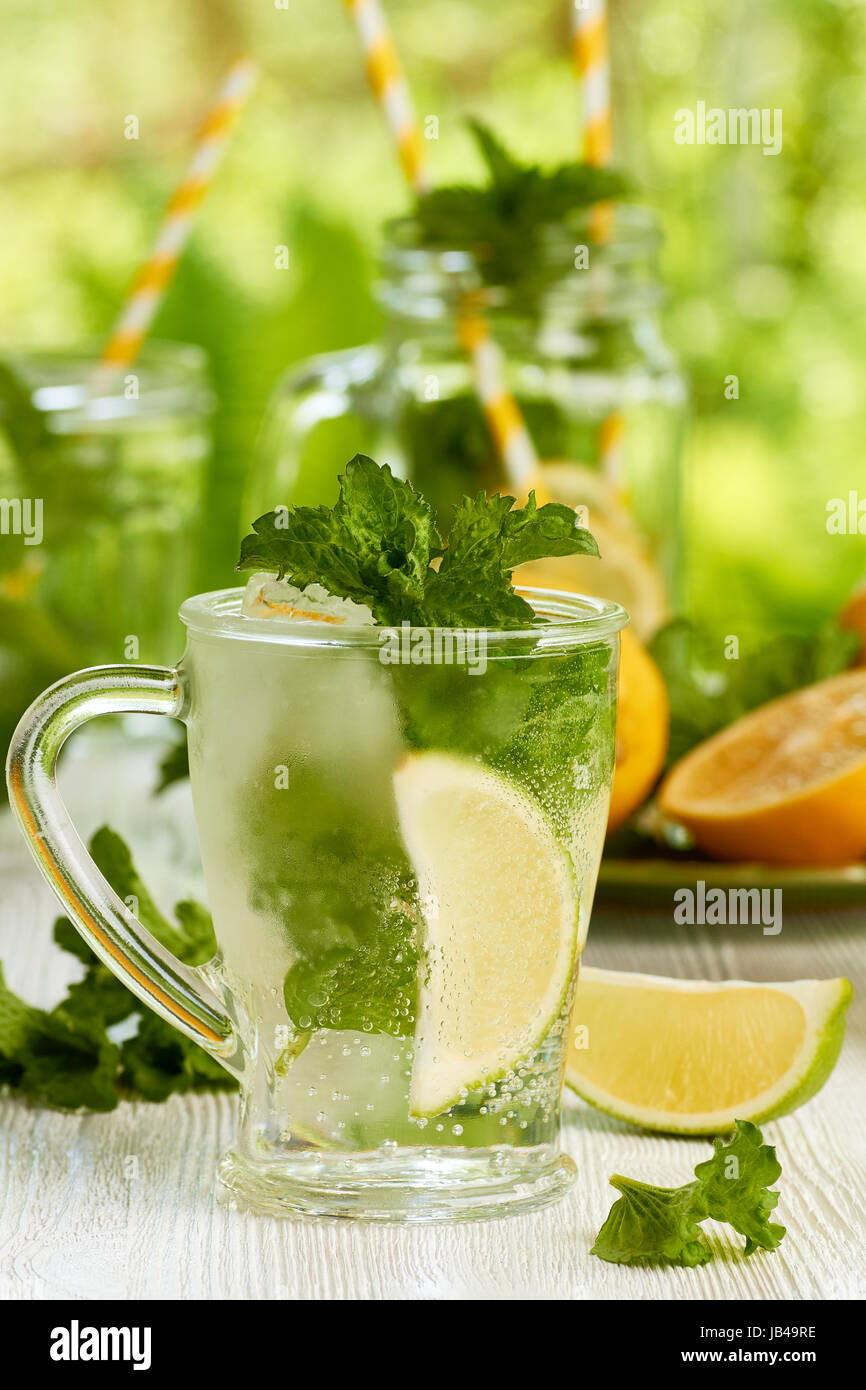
[(735, 1186), (472, 587), (159, 1061), (371, 989), (174, 767), (659, 1225), (113, 858), (653, 1226), (17, 1021), (374, 545), (71, 1064), (534, 533), (502, 166), (504, 222), (56, 1059), (488, 538), (64, 1058)]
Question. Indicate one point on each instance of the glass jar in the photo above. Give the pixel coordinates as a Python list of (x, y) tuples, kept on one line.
[(100, 492), (583, 356)]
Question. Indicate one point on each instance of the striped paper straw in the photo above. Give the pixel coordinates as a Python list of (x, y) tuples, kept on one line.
[(591, 55), (590, 51), (391, 90), (153, 278), (503, 415)]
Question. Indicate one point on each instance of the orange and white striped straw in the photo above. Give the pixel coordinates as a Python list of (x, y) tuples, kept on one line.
[(153, 278), (591, 55), (503, 415), (391, 90)]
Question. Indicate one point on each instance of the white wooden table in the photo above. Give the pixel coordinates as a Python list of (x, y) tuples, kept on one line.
[(79, 1220)]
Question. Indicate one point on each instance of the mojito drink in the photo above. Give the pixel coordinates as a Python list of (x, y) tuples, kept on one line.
[(400, 827)]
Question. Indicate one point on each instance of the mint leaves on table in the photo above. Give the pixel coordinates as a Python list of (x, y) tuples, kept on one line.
[(65, 1057), (735, 1186), (661, 1225), (377, 545), (504, 221), (653, 1226)]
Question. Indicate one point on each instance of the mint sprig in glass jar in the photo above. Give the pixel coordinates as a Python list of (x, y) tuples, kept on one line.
[(578, 326)]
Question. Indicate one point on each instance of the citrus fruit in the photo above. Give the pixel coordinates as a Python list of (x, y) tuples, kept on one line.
[(853, 618), (785, 784), (642, 722), (691, 1056), (622, 571), (501, 918)]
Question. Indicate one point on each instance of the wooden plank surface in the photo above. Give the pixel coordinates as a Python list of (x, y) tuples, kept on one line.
[(124, 1205)]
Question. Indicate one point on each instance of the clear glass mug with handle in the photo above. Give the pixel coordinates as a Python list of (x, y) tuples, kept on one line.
[(400, 832)]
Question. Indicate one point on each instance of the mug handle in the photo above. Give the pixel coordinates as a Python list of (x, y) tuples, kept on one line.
[(177, 992)]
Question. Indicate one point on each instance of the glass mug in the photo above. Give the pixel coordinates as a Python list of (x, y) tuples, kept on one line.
[(400, 832)]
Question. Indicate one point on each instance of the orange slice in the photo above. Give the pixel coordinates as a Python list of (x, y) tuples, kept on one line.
[(642, 722), (785, 784)]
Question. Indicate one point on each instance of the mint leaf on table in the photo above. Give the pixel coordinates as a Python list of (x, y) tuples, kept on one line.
[(653, 1226), (174, 767), (55, 1058), (159, 1061), (16, 1021), (377, 545), (660, 1225), (735, 1186), (113, 858), (65, 1057)]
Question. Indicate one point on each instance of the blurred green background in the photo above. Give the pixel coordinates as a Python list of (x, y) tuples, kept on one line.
[(765, 258)]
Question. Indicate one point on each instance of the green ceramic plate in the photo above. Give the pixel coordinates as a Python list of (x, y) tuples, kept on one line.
[(652, 882)]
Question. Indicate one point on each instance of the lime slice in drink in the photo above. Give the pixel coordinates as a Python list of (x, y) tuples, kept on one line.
[(691, 1056), (501, 915)]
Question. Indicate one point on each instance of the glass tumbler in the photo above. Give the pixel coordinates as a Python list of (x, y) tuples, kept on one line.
[(100, 486)]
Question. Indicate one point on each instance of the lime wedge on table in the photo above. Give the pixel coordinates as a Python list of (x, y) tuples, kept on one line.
[(501, 916), (691, 1056)]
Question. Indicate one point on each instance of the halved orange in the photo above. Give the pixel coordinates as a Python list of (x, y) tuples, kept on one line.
[(785, 784)]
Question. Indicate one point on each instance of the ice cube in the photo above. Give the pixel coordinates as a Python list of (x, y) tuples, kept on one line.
[(267, 597)]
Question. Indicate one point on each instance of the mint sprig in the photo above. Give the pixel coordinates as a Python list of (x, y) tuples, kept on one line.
[(653, 1226), (661, 1225), (378, 544), (504, 220), (735, 1186), (65, 1058)]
